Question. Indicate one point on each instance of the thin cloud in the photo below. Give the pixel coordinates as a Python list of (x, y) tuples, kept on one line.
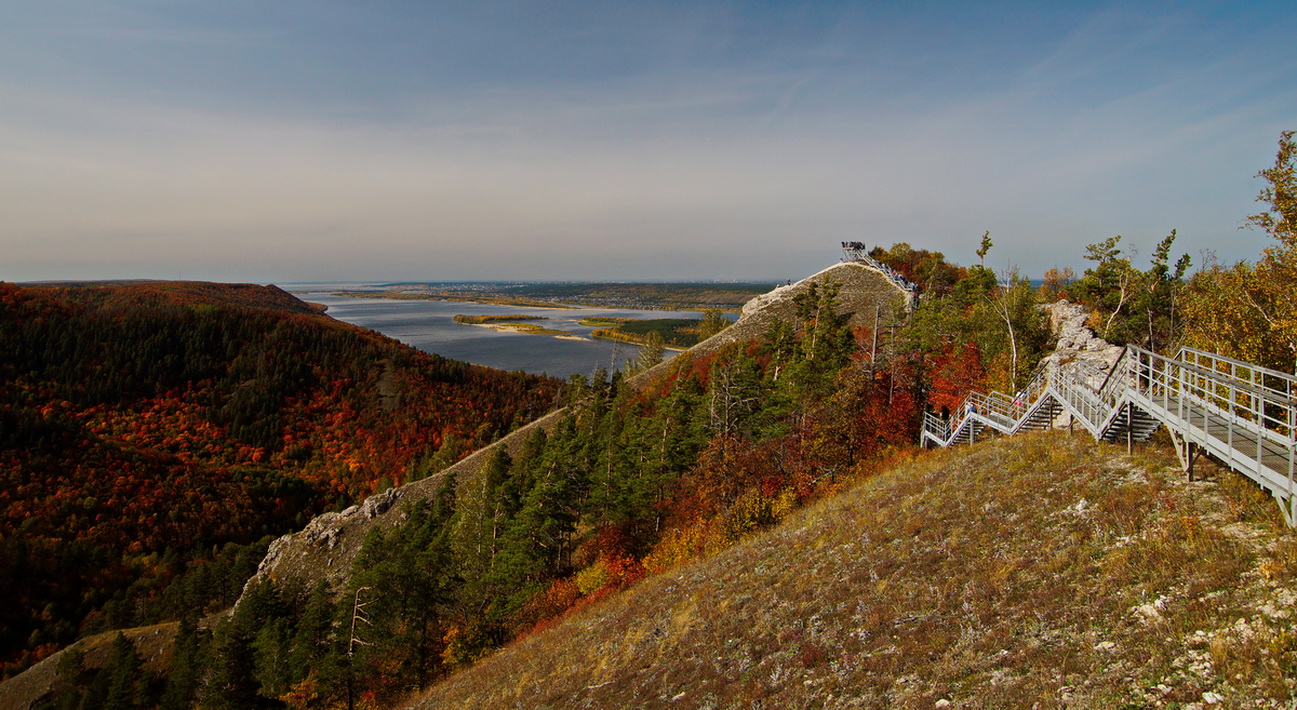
[(701, 155)]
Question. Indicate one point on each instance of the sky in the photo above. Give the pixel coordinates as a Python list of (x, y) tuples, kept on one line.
[(289, 141)]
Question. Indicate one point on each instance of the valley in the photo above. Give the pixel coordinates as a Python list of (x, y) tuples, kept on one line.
[(664, 355), (784, 441)]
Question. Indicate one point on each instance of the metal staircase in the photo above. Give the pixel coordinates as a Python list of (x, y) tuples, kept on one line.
[(859, 251), (1240, 414)]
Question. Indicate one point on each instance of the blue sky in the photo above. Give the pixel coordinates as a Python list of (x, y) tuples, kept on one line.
[(323, 140)]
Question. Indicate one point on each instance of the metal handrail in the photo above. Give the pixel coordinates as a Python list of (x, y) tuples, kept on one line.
[(1140, 369), (1291, 378), (1227, 406), (1112, 370), (1280, 399), (895, 276)]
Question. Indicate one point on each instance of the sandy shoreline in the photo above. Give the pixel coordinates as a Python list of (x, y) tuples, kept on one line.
[(512, 328), (502, 327), (523, 329)]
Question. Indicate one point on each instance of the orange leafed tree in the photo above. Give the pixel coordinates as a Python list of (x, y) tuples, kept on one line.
[(1249, 311)]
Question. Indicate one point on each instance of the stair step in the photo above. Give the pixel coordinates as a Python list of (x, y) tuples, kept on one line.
[(1073, 392)]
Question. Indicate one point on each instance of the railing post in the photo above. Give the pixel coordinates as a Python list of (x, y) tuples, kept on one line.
[(1233, 415), (1180, 390), (1130, 427), (1258, 394)]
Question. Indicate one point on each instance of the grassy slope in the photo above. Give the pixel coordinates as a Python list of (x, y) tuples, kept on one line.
[(1044, 569), (152, 643)]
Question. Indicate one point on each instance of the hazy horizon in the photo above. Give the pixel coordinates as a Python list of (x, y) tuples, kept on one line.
[(601, 141)]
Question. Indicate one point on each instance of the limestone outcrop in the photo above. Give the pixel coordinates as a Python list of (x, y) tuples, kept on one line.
[(1076, 342), (326, 547), (1075, 339)]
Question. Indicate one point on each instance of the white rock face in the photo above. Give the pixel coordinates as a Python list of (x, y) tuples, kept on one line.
[(1075, 339), (1076, 342), (378, 504), (778, 294), (857, 280)]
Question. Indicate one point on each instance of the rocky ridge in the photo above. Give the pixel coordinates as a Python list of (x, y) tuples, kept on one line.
[(1068, 322), (326, 547), (1075, 339)]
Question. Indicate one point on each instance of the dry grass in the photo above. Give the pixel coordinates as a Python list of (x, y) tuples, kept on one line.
[(1045, 570), (152, 643)]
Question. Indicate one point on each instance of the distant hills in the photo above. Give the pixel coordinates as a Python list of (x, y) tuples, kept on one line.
[(746, 525), (151, 431), (145, 293), (728, 296)]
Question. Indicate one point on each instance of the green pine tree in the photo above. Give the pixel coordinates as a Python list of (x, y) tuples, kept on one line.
[(182, 679), (126, 681)]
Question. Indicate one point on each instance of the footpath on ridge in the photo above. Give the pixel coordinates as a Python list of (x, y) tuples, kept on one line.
[(325, 549)]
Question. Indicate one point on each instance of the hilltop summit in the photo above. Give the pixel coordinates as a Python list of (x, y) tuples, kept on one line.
[(326, 547)]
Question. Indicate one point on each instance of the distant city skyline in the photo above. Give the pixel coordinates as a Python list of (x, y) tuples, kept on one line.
[(473, 141)]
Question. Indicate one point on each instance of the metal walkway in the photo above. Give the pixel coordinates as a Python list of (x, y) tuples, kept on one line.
[(859, 251), (1240, 414)]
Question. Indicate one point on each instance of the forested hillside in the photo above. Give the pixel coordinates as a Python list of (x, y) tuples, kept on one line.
[(150, 432), (1043, 570), (630, 481), (950, 578)]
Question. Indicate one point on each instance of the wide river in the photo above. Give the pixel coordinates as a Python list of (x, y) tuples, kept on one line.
[(430, 326)]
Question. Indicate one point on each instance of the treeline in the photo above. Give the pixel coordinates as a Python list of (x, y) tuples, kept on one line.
[(1248, 310), (638, 480), (144, 428), (663, 332), (631, 481)]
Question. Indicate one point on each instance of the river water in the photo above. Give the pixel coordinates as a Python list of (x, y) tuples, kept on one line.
[(430, 326)]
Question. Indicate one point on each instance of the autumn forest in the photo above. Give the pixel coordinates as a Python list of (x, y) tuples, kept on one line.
[(155, 436), (152, 434)]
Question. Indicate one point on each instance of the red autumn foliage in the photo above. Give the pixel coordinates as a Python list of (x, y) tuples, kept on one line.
[(956, 371), (139, 420)]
